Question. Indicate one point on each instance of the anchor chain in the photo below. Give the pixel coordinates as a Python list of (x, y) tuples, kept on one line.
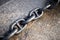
[(20, 24)]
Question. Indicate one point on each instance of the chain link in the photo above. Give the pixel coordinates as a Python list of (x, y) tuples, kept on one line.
[(20, 24), (34, 14)]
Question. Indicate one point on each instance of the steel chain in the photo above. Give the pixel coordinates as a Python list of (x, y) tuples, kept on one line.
[(20, 24)]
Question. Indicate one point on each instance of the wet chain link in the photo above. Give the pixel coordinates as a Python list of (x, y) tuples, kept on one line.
[(20, 24)]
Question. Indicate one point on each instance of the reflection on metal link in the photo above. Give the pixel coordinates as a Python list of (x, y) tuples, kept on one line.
[(37, 12), (20, 24), (34, 14)]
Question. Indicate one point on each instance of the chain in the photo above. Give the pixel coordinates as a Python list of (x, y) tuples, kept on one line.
[(20, 24)]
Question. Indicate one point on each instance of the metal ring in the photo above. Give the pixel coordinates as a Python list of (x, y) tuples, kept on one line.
[(36, 9), (19, 30)]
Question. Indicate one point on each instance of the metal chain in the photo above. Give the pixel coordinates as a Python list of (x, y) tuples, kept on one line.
[(20, 24)]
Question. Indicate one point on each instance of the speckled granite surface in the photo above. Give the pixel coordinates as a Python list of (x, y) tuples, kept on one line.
[(45, 28)]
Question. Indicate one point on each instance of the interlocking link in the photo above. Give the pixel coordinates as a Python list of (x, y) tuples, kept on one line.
[(20, 24), (34, 14), (37, 12)]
